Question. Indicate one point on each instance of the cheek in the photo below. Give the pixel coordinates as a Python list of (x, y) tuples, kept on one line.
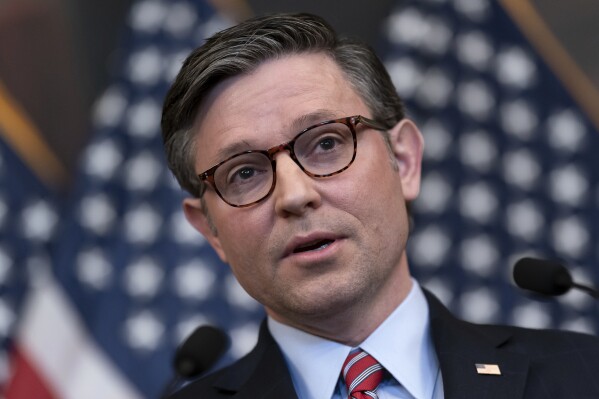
[(238, 231)]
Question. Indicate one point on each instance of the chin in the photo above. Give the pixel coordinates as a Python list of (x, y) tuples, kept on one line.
[(325, 304)]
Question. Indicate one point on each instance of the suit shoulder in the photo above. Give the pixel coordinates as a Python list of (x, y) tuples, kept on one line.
[(544, 341), (207, 387), (203, 387), (200, 388)]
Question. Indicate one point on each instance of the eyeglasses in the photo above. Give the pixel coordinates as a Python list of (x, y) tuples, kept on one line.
[(321, 150)]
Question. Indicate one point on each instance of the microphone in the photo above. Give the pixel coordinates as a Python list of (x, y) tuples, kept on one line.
[(200, 351), (196, 355), (547, 277)]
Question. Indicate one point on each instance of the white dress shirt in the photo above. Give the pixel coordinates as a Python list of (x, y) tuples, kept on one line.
[(402, 344)]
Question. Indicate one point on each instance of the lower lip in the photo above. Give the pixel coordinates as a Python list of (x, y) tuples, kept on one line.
[(317, 255)]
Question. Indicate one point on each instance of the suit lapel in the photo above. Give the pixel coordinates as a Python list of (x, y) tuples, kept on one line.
[(262, 374), (461, 345)]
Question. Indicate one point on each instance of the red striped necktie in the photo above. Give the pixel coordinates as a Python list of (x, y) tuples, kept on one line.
[(362, 375)]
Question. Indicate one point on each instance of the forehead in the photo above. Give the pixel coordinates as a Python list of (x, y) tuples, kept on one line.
[(269, 105)]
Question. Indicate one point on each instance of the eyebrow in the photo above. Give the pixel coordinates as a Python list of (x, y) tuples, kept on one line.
[(306, 120), (297, 125)]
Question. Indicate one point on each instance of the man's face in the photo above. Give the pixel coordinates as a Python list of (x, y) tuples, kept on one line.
[(358, 216)]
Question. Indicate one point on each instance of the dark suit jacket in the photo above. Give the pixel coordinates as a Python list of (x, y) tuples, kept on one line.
[(540, 364)]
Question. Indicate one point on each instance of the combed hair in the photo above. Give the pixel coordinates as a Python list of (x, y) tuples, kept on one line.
[(240, 50)]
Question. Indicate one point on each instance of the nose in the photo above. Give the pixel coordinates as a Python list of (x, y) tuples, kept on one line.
[(295, 192)]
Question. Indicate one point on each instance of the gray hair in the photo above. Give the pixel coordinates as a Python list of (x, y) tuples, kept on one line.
[(240, 50)]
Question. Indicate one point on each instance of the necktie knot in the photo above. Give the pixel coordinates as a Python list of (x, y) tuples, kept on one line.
[(362, 375)]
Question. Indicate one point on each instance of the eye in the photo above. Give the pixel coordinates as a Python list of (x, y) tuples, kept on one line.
[(327, 143), (241, 174)]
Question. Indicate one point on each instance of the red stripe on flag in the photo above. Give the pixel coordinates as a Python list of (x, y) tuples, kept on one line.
[(25, 382)]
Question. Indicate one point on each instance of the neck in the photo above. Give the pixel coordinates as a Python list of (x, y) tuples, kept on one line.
[(355, 323)]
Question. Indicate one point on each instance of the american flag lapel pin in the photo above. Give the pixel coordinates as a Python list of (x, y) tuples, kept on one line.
[(487, 369)]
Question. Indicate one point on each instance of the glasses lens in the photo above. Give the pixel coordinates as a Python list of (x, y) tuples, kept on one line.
[(244, 179), (325, 149)]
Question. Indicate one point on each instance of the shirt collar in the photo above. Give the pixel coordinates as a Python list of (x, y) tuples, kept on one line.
[(402, 344)]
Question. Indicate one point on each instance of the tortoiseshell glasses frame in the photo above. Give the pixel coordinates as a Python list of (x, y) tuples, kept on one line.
[(252, 159)]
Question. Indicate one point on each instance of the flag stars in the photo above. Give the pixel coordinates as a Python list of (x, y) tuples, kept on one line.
[(144, 118), (94, 269), (474, 49), (568, 185), (519, 119), (515, 68), (142, 171), (237, 296), (525, 220), (438, 139), (478, 202), (103, 158), (531, 315), (39, 220), (144, 331), (97, 214), (194, 280), (407, 26), (430, 246), (567, 132), (435, 90), (476, 10), (479, 255), (477, 150), (147, 16), (480, 305), (243, 339), (180, 19), (475, 99), (406, 76), (142, 224), (435, 194), (428, 33), (438, 36), (108, 111), (183, 232), (521, 168), (143, 278), (570, 236), (146, 66)]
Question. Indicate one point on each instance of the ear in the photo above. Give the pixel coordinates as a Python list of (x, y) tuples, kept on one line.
[(199, 218), (407, 145)]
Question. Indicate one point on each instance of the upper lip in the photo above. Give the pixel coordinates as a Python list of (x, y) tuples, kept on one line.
[(299, 241)]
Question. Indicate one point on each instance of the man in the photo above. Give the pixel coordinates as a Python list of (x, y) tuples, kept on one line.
[(295, 148)]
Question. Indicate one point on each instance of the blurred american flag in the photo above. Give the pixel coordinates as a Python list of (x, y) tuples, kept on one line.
[(510, 169), (131, 277), (510, 165)]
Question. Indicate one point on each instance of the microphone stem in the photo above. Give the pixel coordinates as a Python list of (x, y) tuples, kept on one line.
[(591, 291)]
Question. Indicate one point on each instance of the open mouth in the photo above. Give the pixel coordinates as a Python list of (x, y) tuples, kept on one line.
[(313, 246)]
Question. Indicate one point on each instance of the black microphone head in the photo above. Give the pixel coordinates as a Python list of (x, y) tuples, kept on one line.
[(200, 351), (542, 276)]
